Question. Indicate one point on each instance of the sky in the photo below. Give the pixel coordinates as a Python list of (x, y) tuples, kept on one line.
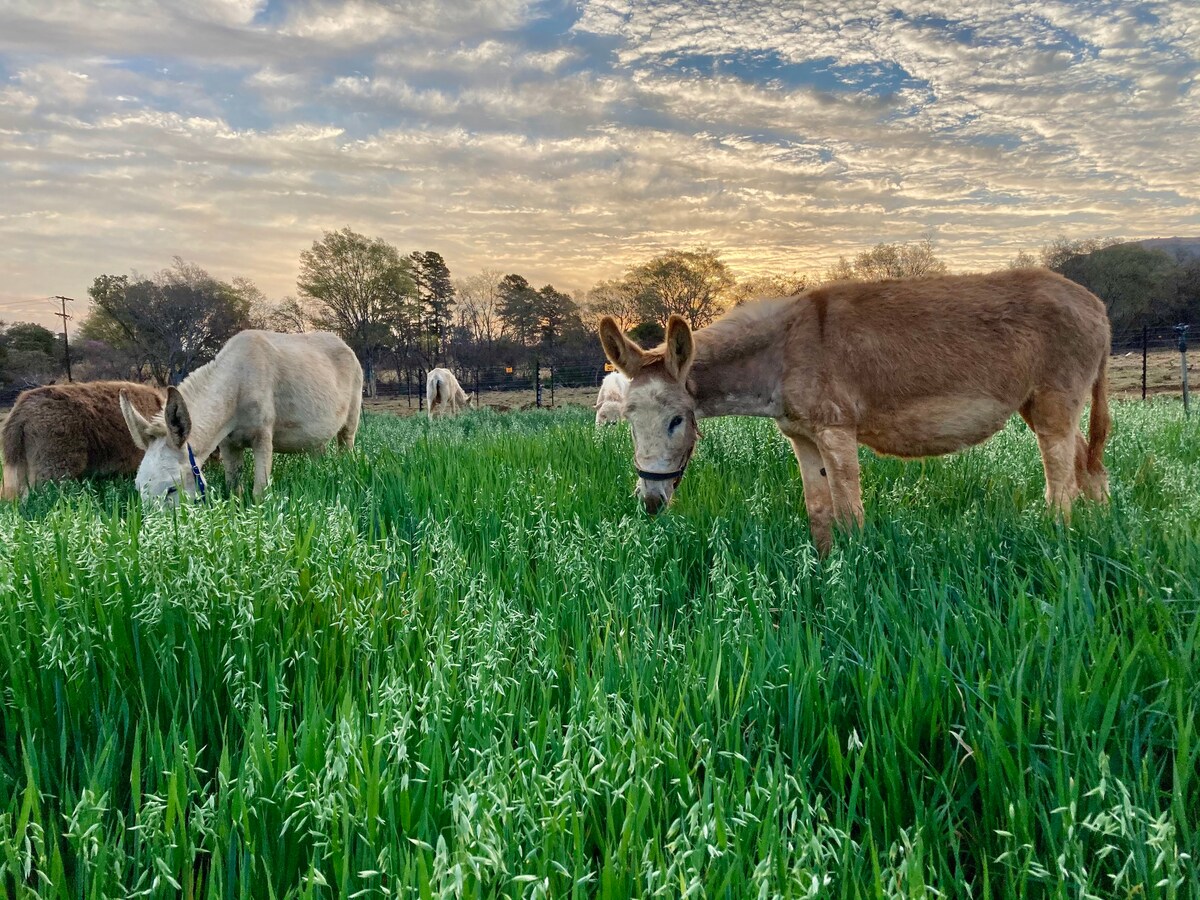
[(566, 141)]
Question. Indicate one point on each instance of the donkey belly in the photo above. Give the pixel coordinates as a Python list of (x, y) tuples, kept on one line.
[(933, 426), (297, 437)]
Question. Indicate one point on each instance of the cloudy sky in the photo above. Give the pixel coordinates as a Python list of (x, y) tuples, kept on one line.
[(566, 139)]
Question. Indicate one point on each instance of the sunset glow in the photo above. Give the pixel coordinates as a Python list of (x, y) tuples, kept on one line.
[(568, 140)]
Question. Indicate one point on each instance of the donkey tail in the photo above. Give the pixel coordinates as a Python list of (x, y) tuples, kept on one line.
[(16, 466), (1100, 421)]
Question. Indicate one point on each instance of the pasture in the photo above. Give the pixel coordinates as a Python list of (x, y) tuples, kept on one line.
[(461, 662)]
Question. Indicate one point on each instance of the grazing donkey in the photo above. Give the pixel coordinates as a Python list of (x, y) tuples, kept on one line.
[(68, 431), (610, 401), (270, 392), (444, 394), (910, 368)]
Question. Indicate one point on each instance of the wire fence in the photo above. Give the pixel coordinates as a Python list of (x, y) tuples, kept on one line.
[(533, 384), (1151, 361)]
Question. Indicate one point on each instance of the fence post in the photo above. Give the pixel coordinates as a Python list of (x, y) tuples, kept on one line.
[(1182, 331), (537, 381), (420, 393), (551, 384), (408, 387), (1145, 353)]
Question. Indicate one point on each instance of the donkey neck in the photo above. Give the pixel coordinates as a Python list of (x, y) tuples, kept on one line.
[(211, 399), (739, 362)]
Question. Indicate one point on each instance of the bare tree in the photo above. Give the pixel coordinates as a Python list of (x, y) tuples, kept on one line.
[(763, 287), (288, 316), (617, 297), (884, 261), (478, 310), (1023, 260)]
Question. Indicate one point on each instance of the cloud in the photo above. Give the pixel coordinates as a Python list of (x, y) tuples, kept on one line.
[(564, 140)]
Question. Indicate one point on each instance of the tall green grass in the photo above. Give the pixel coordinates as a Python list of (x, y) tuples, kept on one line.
[(460, 662)]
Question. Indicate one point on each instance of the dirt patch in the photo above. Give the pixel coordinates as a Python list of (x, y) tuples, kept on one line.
[(1162, 373)]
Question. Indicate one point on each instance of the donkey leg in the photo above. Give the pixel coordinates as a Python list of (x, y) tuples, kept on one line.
[(231, 461), (839, 450), (1054, 418), (263, 448), (348, 431), (1058, 461), (1093, 484), (818, 500)]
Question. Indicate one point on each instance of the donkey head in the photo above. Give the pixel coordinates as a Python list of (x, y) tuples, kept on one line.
[(166, 470), (661, 412)]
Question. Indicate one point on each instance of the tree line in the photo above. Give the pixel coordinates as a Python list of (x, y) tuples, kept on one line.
[(403, 313), (1142, 287)]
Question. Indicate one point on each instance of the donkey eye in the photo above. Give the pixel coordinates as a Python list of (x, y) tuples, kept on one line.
[(675, 423)]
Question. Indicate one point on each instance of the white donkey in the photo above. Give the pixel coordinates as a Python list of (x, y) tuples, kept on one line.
[(444, 394), (610, 401), (266, 391)]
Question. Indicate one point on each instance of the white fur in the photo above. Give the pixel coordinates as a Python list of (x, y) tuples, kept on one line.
[(443, 393), (264, 391), (613, 389), (610, 412)]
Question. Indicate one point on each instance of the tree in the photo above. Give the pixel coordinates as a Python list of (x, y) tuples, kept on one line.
[(171, 323), (29, 354), (617, 297), (479, 300), (288, 316), (1061, 254), (1023, 260), (765, 287), (1139, 287), (886, 261), (435, 293), (361, 287), (557, 314), (30, 338), (690, 283), (519, 309)]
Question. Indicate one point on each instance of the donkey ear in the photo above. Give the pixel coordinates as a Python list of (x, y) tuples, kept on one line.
[(620, 350), (177, 418), (139, 428), (681, 349)]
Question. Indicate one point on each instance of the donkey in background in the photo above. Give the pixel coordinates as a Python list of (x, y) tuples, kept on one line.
[(910, 368), (444, 395)]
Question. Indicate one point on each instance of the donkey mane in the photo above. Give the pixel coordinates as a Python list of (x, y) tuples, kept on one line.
[(739, 331), (195, 385)]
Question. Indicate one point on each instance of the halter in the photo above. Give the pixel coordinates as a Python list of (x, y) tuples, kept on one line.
[(677, 475), (198, 475)]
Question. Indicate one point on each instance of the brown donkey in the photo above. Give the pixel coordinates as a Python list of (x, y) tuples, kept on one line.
[(917, 367), (68, 431)]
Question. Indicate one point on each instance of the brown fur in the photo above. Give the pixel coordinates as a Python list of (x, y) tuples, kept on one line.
[(69, 431), (911, 368)]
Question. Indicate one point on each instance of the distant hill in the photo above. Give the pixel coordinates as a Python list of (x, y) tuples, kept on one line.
[(1177, 247)]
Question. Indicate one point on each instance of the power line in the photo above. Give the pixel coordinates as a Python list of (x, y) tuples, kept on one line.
[(63, 315)]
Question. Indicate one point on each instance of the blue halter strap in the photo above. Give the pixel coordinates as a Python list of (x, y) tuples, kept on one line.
[(198, 475)]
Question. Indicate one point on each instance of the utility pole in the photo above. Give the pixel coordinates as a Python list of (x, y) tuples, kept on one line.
[(63, 315)]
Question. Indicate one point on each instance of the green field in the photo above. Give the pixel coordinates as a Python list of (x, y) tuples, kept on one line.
[(460, 662)]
